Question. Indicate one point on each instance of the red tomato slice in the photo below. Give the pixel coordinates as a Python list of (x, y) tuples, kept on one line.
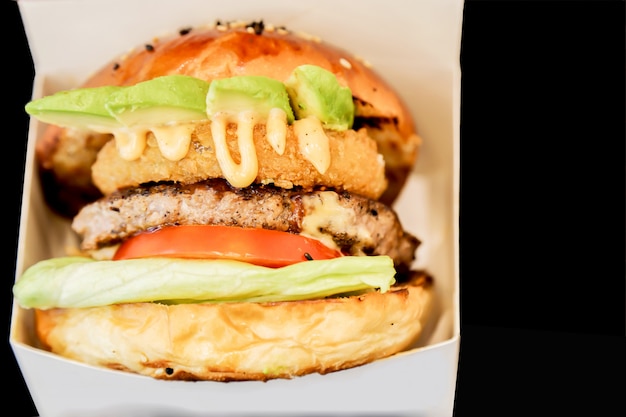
[(257, 246)]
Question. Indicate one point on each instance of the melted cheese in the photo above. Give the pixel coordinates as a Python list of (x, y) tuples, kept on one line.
[(174, 140), (324, 215)]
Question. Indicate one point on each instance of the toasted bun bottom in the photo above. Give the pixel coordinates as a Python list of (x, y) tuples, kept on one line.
[(241, 341)]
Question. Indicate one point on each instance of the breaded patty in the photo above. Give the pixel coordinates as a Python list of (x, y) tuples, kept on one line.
[(355, 164)]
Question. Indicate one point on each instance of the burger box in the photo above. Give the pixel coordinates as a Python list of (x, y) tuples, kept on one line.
[(415, 45)]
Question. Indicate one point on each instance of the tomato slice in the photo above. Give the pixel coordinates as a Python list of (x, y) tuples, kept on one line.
[(257, 246)]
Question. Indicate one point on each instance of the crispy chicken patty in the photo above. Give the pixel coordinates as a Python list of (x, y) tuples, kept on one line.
[(355, 164), (355, 224)]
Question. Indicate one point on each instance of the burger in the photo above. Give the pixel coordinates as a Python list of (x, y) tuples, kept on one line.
[(231, 191)]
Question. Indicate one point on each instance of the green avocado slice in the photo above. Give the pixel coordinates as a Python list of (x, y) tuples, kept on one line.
[(79, 108), (315, 91), (249, 92), (161, 100)]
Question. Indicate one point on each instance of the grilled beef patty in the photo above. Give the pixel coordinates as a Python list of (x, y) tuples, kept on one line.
[(356, 225)]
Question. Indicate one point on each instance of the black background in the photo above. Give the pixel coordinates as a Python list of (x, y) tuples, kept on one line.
[(542, 206)]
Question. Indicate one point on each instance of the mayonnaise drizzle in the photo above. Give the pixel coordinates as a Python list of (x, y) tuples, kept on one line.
[(130, 143), (276, 130), (174, 140), (243, 173), (313, 142)]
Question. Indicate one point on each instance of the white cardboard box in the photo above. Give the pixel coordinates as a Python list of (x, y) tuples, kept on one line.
[(415, 45)]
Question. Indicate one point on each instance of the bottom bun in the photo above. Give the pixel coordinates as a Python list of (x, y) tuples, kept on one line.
[(241, 341)]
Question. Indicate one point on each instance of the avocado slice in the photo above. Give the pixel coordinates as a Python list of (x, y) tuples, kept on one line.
[(79, 108), (315, 91), (248, 92), (169, 98), (310, 91)]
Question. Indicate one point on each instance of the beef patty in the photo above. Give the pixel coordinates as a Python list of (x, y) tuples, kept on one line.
[(354, 224)]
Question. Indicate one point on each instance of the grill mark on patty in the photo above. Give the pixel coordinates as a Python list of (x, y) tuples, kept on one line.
[(366, 227)]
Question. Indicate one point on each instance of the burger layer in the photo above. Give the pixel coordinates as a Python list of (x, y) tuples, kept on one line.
[(354, 162), (241, 341), (351, 223), (226, 50), (204, 305)]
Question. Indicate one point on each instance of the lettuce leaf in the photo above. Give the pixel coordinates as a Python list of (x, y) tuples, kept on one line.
[(77, 282)]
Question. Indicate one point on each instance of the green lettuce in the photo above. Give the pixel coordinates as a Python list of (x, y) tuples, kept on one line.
[(76, 282)]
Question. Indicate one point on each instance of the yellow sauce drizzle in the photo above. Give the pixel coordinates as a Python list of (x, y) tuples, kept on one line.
[(174, 141), (130, 143), (313, 142), (277, 129), (243, 173)]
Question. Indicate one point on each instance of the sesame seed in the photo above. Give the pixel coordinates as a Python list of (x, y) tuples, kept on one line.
[(309, 37), (345, 63), (364, 61), (238, 24), (257, 27)]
